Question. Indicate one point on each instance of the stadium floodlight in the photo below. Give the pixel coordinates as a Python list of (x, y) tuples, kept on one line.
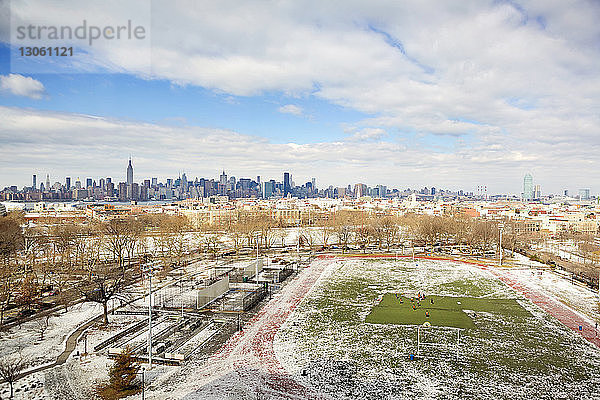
[(256, 265), (501, 229), (148, 269)]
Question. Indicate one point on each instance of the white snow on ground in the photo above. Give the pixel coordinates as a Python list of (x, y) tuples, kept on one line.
[(26, 338), (520, 259), (326, 344), (579, 298), (343, 357)]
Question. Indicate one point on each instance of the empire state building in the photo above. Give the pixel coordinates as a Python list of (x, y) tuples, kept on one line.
[(129, 174)]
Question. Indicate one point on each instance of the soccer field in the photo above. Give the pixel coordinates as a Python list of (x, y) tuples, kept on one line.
[(439, 310), (352, 338)]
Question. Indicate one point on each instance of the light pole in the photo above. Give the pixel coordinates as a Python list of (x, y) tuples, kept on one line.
[(256, 264), (149, 268), (150, 318), (143, 382), (298, 245), (501, 228), (181, 291)]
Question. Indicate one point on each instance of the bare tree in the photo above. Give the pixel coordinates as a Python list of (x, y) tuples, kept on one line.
[(105, 282), (327, 231), (42, 325), (343, 228), (485, 234), (116, 234), (11, 241), (10, 369)]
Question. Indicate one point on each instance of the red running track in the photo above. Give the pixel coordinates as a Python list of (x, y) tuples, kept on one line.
[(247, 359)]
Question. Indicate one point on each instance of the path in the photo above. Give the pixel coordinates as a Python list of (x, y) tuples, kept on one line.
[(70, 344)]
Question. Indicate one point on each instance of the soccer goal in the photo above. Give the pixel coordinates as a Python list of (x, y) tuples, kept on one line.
[(444, 339)]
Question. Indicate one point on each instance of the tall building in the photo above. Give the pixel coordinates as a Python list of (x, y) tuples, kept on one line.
[(223, 178), (47, 182), (537, 192), (129, 173), (360, 190), (34, 182), (584, 194), (528, 187), (123, 191), (286, 184), (68, 183), (184, 183)]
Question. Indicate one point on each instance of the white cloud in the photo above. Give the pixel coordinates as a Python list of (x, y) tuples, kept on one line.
[(20, 85), (366, 134), (64, 144), (480, 92), (290, 109)]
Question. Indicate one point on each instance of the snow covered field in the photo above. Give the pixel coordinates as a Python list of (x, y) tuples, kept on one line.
[(326, 345)]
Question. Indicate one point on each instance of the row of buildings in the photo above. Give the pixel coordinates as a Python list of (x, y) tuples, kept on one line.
[(181, 188), (548, 219)]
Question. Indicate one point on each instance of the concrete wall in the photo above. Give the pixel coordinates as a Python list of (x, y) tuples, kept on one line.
[(209, 293), (250, 269)]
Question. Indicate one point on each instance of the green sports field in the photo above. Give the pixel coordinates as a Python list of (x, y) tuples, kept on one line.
[(443, 310)]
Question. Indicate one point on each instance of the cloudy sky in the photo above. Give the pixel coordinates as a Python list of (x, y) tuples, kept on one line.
[(451, 94)]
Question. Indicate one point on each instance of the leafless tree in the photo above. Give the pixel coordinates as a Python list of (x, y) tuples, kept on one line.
[(10, 369), (485, 234), (343, 228), (11, 241), (42, 324), (105, 282)]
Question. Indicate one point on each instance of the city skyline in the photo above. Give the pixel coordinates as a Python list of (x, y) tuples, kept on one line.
[(360, 95), (196, 187)]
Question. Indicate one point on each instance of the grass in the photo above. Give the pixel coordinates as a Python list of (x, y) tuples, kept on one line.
[(444, 311)]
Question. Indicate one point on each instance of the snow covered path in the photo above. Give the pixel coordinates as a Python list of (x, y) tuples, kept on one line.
[(246, 366), (565, 314)]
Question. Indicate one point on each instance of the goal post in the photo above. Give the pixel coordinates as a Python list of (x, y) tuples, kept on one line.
[(452, 345)]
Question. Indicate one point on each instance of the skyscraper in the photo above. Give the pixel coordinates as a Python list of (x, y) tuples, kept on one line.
[(34, 182), (286, 184), (537, 192), (528, 187), (184, 183), (223, 178), (68, 183), (47, 182), (129, 173), (584, 194)]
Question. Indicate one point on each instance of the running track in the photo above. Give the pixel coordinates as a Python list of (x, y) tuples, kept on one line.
[(247, 360)]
